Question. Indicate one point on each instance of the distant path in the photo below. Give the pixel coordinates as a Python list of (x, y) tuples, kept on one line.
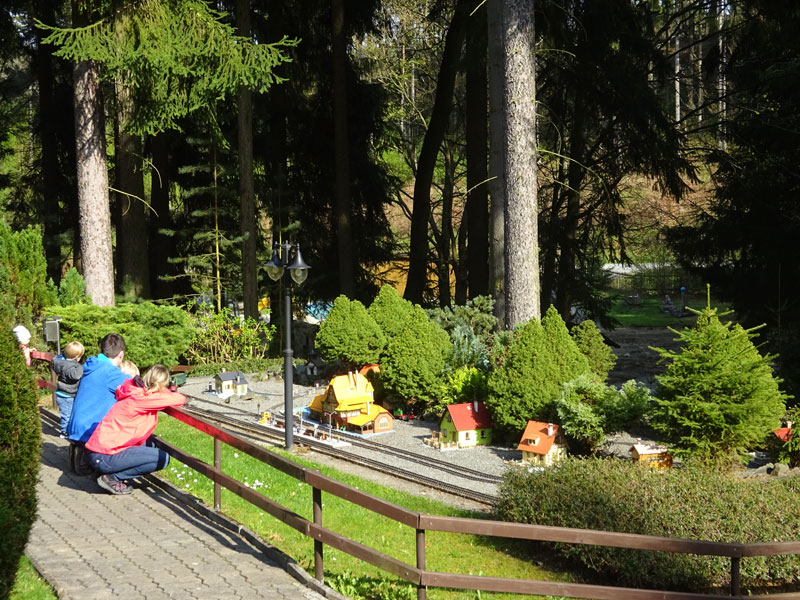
[(635, 359)]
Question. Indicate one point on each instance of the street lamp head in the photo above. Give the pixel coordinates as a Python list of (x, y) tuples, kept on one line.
[(275, 265), (298, 268)]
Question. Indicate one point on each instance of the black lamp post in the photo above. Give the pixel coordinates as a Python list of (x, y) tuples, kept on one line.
[(285, 257)]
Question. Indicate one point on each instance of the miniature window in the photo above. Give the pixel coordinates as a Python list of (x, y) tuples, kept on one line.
[(468, 436)]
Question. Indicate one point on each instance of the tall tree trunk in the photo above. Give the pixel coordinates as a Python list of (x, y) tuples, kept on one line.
[(162, 246), (247, 197), (497, 167), (133, 269), (448, 188), (477, 209), (343, 202), (437, 126), (521, 227), (93, 203)]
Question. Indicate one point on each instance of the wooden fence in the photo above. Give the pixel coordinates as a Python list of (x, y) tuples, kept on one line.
[(417, 574)]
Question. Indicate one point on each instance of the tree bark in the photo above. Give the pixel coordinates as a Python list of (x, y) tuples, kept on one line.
[(477, 209), (162, 245), (521, 227), (343, 201), (417, 281), (133, 269), (93, 203), (497, 167), (247, 198)]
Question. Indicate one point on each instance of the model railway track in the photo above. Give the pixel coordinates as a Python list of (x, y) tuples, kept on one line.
[(385, 449), (260, 433)]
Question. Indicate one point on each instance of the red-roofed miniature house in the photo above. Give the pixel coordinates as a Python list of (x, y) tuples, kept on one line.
[(465, 425), (784, 434), (542, 444)]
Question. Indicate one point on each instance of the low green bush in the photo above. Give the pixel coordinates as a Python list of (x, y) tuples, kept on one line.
[(694, 503), (153, 333), (221, 337), (20, 444)]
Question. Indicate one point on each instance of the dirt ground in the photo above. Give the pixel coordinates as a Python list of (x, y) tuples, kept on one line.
[(635, 359)]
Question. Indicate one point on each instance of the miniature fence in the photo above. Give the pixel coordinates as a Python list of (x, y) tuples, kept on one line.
[(421, 523)]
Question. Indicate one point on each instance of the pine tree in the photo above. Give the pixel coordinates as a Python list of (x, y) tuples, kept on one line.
[(718, 395), (591, 344)]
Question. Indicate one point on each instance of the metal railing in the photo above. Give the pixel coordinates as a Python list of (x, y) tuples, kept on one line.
[(418, 574)]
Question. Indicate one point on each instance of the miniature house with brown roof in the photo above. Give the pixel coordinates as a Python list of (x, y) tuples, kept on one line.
[(784, 433), (348, 403), (655, 456), (464, 426), (229, 383), (542, 444)]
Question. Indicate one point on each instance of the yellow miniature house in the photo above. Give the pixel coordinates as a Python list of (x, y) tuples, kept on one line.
[(542, 444), (657, 457), (348, 403), (465, 425), (229, 383)]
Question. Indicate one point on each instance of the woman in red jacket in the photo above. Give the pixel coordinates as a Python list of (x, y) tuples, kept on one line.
[(117, 447)]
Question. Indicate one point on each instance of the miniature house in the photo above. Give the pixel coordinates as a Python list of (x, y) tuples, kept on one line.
[(229, 383), (654, 456), (784, 434), (348, 403), (465, 425), (542, 444)]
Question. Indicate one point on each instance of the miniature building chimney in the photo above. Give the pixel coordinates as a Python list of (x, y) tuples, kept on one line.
[(350, 378), (549, 429), (475, 405)]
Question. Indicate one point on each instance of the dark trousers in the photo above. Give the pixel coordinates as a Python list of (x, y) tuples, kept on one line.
[(131, 462)]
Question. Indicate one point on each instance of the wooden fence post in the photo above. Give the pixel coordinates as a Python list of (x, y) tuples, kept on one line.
[(422, 591), (319, 571), (217, 465), (736, 580)]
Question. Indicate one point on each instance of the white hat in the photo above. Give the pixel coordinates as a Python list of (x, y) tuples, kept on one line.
[(22, 333)]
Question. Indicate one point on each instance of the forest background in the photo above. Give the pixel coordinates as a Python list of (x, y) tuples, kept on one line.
[(380, 136)]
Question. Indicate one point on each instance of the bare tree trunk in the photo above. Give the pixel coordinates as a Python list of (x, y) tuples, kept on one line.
[(448, 188), (521, 227), (497, 167), (477, 209), (437, 126), (162, 245), (133, 268), (247, 197), (93, 204), (343, 202)]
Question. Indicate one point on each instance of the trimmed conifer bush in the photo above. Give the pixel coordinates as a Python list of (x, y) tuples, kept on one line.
[(350, 334), (540, 360), (693, 503), (591, 344), (718, 396), (19, 455), (24, 288), (415, 353)]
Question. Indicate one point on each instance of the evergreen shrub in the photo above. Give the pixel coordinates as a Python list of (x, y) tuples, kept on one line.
[(541, 359), (718, 395), (588, 409), (19, 455), (24, 288), (153, 333), (694, 503), (416, 348), (350, 334), (72, 289), (591, 344)]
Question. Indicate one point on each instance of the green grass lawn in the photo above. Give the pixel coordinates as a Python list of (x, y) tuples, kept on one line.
[(649, 313), (29, 585), (445, 552)]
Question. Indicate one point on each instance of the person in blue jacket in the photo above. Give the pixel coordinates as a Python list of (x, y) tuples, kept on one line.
[(97, 389)]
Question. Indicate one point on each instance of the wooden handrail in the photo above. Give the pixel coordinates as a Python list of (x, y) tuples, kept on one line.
[(423, 578)]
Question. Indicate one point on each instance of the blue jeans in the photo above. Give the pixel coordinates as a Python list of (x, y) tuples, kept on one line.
[(131, 462), (64, 410)]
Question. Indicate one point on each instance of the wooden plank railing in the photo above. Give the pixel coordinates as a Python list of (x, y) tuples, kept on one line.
[(421, 523)]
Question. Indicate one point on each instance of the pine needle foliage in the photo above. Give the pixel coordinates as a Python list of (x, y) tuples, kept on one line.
[(177, 56), (540, 361), (718, 395), (591, 344), (350, 334)]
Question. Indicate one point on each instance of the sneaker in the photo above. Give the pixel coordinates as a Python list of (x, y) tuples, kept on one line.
[(110, 484)]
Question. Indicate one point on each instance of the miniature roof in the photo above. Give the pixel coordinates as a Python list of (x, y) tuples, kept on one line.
[(535, 438), (643, 449), (467, 417), (235, 376), (784, 433), (367, 368), (349, 396), (369, 414)]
